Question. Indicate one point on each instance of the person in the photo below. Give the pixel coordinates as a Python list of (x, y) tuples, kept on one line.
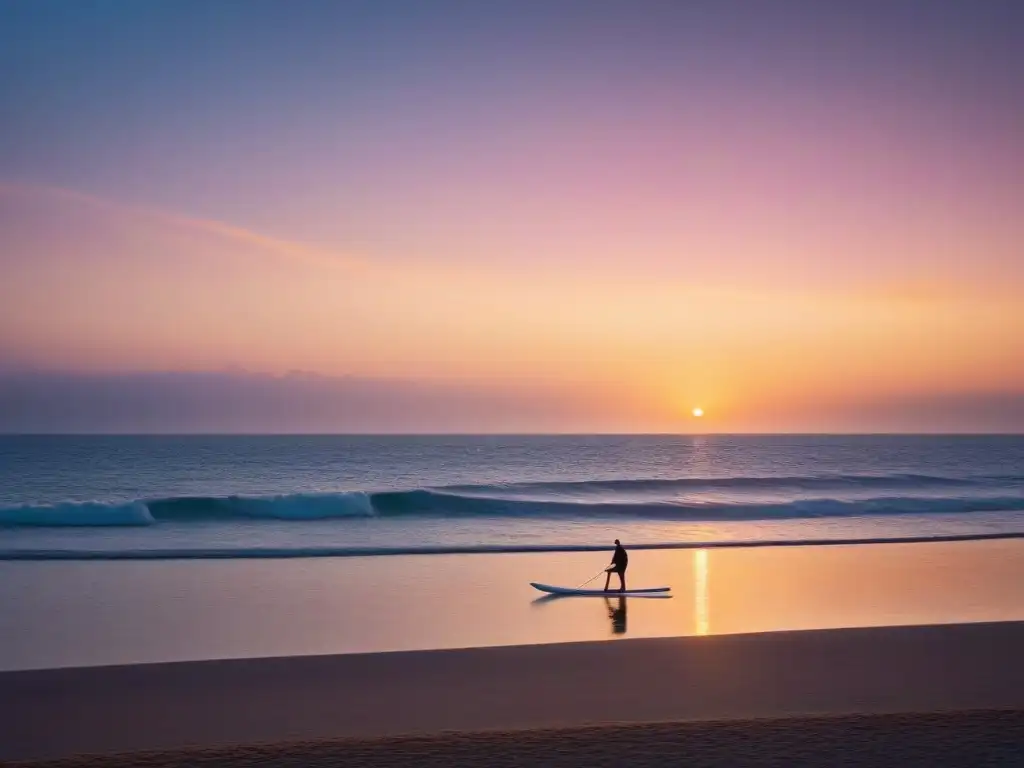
[(619, 562)]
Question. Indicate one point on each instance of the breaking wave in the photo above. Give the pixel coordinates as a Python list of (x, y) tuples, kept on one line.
[(686, 499)]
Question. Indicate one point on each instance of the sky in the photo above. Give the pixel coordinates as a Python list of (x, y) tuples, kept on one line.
[(559, 216)]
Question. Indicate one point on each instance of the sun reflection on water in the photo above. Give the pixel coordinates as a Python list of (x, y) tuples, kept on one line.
[(701, 618)]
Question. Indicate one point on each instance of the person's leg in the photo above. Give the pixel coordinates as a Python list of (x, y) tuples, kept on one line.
[(622, 580), (607, 579)]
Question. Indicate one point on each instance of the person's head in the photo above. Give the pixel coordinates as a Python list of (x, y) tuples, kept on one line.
[(617, 543)]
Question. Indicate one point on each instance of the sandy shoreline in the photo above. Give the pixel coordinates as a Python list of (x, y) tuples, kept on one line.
[(84, 614), (936, 740), (306, 553), (64, 712)]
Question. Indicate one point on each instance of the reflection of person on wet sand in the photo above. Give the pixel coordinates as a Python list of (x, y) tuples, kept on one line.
[(617, 614)]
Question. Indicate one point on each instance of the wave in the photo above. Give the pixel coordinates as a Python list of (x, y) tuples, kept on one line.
[(426, 502), (442, 503), (756, 482), (71, 513), (277, 553), (297, 506), (300, 506)]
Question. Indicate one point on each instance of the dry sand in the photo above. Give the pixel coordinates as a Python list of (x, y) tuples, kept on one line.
[(941, 740), (64, 712)]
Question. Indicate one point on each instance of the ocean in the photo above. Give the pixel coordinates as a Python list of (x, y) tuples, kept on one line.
[(177, 497)]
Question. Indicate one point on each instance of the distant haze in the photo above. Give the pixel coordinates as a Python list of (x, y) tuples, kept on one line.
[(237, 402), (581, 216)]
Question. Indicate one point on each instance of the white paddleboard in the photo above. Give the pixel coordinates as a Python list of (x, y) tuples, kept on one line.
[(650, 592)]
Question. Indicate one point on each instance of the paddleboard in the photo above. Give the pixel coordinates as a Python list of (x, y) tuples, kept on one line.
[(650, 592)]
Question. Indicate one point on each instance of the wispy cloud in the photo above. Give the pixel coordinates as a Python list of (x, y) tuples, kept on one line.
[(273, 245)]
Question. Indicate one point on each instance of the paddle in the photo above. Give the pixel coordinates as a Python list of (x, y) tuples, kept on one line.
[(581, 586)]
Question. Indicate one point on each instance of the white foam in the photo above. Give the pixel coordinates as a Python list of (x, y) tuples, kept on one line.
[(77, 513)]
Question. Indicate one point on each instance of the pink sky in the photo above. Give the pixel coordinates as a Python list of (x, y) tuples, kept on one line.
[(767, 231)]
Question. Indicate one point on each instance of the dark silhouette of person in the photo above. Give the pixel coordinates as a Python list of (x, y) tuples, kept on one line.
[(619, 562), (617, 615)]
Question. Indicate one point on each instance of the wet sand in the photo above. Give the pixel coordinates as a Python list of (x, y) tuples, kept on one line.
[(924, 669), (95, 613)]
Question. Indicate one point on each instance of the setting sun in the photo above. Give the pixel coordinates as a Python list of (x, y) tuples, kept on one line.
[(698, 412)]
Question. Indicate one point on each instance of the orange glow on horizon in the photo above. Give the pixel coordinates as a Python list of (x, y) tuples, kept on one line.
[(156, 291)]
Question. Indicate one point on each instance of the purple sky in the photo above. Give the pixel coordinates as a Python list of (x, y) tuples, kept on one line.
[(540, 216)]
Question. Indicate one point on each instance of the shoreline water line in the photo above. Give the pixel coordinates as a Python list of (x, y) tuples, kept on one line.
[(273, 553)]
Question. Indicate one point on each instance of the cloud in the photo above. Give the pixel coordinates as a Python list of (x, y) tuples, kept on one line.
[(229, 402), (947, 412), (239, 401), (283, 248), (977, 411)]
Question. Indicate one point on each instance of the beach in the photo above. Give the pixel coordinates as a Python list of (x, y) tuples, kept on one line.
[(749, 634), (67, 614), (242, 601), (199, 705), (985, 738)]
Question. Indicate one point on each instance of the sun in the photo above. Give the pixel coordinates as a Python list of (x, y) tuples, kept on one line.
[(698, 412)]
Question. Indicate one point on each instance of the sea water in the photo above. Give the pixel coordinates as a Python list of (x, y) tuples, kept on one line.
[(161, 497), (121, 550)]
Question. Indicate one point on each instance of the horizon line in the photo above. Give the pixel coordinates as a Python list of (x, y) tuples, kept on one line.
[(514, 434)]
